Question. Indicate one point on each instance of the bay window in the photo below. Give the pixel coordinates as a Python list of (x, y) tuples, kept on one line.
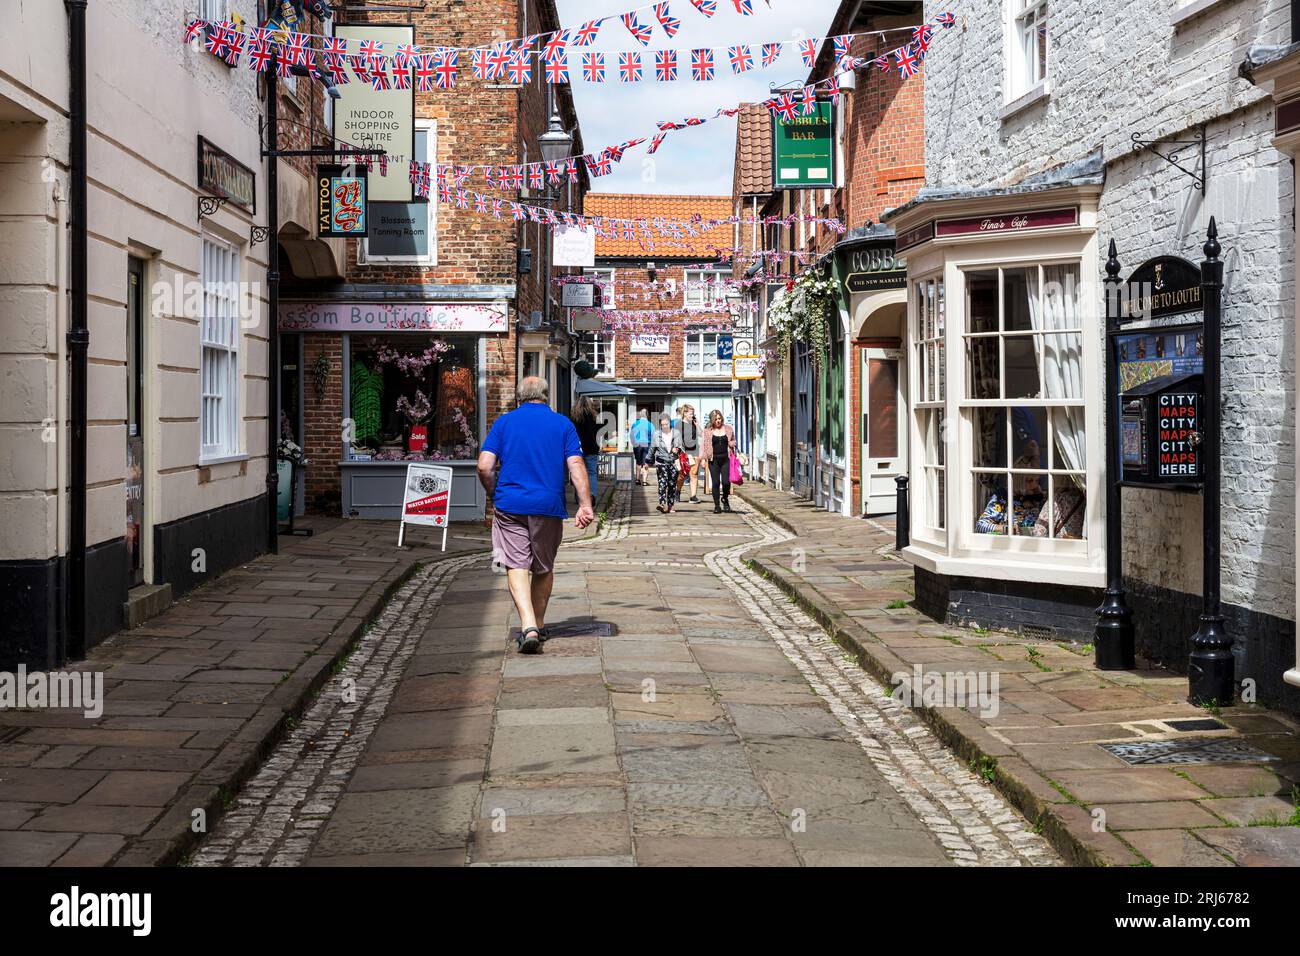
[(928, 358)]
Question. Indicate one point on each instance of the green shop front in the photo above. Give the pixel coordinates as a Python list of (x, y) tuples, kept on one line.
[(379, 385)]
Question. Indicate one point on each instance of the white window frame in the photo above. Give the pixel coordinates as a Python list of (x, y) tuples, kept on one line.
[(598, 349), (708, 356), (609, 277), (697, 296), (1024, 74), (219, 339), (217, 10), (927, 304), (431, 208)]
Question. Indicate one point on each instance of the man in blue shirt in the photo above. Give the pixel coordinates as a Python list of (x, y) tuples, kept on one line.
[(533, 445), (642, 432)]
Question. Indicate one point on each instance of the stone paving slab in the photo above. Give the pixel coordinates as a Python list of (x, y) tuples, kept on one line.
[(1041, 749), (193, 699)]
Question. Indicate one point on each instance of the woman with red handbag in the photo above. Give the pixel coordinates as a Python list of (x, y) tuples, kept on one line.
[(717, 445)]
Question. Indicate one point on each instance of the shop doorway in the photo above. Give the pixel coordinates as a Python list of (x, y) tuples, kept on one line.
[(135, 450), (804, 439), (884, 439)]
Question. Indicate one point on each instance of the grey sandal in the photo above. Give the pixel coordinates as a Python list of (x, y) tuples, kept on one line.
[(530, 640)]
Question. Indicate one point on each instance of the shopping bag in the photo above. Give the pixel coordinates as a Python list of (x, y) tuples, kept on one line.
[(737, 473)]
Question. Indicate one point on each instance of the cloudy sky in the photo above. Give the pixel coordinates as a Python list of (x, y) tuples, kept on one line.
[(696, 160)]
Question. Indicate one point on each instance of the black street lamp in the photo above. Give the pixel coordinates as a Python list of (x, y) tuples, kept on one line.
[(556, 142)]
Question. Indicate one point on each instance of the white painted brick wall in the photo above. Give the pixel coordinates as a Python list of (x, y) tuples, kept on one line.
[(1117, 69)]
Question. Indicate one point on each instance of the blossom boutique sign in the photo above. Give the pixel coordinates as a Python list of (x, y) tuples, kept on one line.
[(383, 317)]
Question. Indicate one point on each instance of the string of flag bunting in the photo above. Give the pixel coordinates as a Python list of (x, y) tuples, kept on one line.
[(407, 66)]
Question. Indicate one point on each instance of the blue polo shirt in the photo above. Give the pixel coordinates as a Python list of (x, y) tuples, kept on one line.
[(533, 445), (642, 431)]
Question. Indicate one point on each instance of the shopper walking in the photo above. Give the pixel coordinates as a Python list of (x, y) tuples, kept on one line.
[(716, 448), (690, 432), (641, 432), (533, 446), (586, 421), (664, 449)]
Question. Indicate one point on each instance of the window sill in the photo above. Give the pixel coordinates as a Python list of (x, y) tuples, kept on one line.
[(221, 460), (1004, 567), (1039, 94), (1192, 10)]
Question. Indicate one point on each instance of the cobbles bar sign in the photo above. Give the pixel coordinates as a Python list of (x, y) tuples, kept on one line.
[(375, 317), (341, 202), (803, 152), (874, 269), (223, 175)]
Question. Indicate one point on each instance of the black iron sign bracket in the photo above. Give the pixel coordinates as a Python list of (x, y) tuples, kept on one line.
[(1174, 155)]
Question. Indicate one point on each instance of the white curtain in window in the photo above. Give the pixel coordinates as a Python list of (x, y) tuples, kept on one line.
[(1061, 356)]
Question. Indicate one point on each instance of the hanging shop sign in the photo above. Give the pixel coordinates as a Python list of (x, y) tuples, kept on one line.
[(1160, 289), (427, 499), (368, 118), (650, 345), (586, 320), (725, 347), (406, 317), (573, 246), (803, 149), (746, 367), (873, 269), (578, 295), (341, 202), (222, 175)]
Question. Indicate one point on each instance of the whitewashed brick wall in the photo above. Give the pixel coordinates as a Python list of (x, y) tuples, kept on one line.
[(1122, 68)]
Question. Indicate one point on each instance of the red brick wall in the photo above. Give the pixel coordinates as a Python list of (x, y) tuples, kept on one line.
[(322, 425)]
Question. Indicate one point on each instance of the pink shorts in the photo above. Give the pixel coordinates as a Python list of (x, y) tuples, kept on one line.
[(526, 541)]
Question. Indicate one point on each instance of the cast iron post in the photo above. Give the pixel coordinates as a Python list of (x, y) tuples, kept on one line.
[(1210, 669), (902, 520), (1113, 634)]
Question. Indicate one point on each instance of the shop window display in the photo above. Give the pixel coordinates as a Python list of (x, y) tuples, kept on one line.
[(413, 398)]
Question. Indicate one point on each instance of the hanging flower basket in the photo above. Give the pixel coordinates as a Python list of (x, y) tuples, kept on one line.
[(803, 315)]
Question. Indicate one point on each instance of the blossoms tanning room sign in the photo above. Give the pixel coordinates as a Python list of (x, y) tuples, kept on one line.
[(373, 317)]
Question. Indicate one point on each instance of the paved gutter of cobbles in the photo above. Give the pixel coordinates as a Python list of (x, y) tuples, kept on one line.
[(1067, 826), (215, 785)]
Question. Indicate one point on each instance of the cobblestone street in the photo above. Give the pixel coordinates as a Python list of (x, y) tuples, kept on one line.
[(684, 711)]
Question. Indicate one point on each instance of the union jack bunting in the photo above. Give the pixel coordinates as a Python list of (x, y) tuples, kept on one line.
[(586, 34), (444, 192), (694, 121), (218, 41), (402, 79), (782, 107), (921, 39), (882, 62), (629, 67), (654, 143), (261, 53), (833, 88), (192, 29), (403, 55), (808, 50), (371, 49), (701, 65), (379, 75), (907, 61), (383, 164), (496, 207), (665, 65), (744, 7), (555, 44), (482, 64), (670, 125), (771, 51), (520, 68), (532, 214), (283, 65), (557, 69), (842, 45), (741, 58), (670, 23), (535, 174), (516, 177), (517, 210), (462, 199), (598, 166), (593, 67), (553, 173), (571, 169), (706, 7), (446, 65), (946, 20), (809, 101), (640, 32), (498, 61), (360, 67), (236, 47)]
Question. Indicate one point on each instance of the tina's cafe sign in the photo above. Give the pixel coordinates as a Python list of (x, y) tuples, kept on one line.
[(427, 499)]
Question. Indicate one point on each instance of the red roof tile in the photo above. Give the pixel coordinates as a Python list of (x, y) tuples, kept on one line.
[(753, 169), (649, 206)]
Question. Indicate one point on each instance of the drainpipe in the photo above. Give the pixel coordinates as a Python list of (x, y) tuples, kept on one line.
[(74, 643), (273, 314)]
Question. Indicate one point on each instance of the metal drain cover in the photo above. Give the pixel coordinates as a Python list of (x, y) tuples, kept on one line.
[(1190, 750), (1197, 723)]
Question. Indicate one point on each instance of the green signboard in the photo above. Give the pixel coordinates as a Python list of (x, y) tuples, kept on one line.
[(803, 149)]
